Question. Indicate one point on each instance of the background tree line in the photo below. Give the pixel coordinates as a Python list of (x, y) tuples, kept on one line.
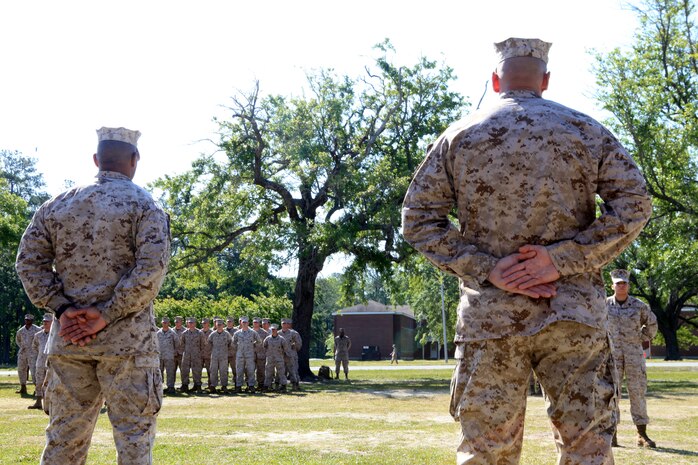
[(299, 179)]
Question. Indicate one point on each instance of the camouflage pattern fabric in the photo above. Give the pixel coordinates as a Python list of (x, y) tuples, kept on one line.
[(180, 348), (220, 346), (244, 343), (276, 349), (490, 385), (105, 244), (26, 357), (291, 359), (193, 343), (39, 343), (232, 354), (260, 356), (630, 324), (77, 389), (341, 353), (206, 356), (167, 342), (526, 171)]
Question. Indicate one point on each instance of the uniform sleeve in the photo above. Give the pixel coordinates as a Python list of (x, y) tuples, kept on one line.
[(425, 223), (625, 210), (649, 322), (298, 341), (34, 266), (18, 340), (35, 343), (138, 288)]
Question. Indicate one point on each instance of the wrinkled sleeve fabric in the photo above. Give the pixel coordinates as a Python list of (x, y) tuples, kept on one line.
[(139, 286), (34, 265), (426, 225), (649, 323), (625, 210)]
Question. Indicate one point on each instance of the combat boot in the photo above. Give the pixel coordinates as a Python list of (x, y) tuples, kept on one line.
[(282, 388), (336, 376), (224, 389), (296, 386), (642, 439), (36, 405), (212, 389), (614, 441), (238, 389), (170, 390), (197, 388), (184, 388), (346, 375), (251, 389), (22, 390)]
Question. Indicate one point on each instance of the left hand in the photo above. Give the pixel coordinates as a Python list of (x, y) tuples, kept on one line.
[(83, 325), (534, 271)]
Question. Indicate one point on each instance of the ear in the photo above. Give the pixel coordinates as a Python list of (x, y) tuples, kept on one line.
[(94, 159), (495, 81), (135, 156), (546, 79)]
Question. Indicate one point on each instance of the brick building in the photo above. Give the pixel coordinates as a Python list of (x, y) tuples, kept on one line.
[(378, 325)]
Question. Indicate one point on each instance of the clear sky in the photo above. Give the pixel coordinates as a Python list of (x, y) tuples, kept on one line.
[(167, 68)]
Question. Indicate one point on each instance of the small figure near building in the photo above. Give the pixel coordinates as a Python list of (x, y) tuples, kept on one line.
[(342, 344), (631, 325), (393, 355)]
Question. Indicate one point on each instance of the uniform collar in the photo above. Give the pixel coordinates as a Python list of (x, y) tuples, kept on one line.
[(519, 94), (112, 175)]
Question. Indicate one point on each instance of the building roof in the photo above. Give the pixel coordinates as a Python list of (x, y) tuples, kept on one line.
[(373, 307)]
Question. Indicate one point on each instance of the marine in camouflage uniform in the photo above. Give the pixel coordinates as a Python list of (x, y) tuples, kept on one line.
[(632, 325), (231, 329), (220, 341), (528, 249), (39, 348), (167, 343), (26, 358), (95, 256), (193, 344), (260, 357), (179, 330), (206, 356), (276, 349), (244, 341), (342, 344), (291, 359)]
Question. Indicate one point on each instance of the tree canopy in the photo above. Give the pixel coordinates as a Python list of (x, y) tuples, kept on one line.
[(300, 178)]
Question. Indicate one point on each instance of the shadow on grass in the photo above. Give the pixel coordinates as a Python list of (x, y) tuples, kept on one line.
[(669, 450), (386, 388)]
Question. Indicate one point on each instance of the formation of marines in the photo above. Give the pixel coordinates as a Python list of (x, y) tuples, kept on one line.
[(261, 357)]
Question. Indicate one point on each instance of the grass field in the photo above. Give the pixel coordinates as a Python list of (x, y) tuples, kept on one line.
[(380, 417)]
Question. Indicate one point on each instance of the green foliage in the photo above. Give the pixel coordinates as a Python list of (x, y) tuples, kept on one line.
[(652, 91), (298, 179), (273, 308), (21, 192)]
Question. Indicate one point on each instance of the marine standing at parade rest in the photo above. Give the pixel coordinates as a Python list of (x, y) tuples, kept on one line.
[(259, 356), (632, 325), (220, 341), (179, 330), (206, 356), (342, 344), (295, 343), (193, 345), (95, 256), (231, 329), (244, 341), (26, 357), (168, 341), (277, 350), (39, 348), (523, 177)]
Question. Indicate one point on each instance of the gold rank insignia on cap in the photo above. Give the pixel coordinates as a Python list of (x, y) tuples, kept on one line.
[(620, 276), (118, 134), (517, 47)]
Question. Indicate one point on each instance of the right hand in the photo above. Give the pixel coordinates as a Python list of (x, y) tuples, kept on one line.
[(81, 325), (496, 277)]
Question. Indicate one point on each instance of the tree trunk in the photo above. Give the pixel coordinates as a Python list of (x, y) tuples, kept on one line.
[(309, 266), (672, 344)]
